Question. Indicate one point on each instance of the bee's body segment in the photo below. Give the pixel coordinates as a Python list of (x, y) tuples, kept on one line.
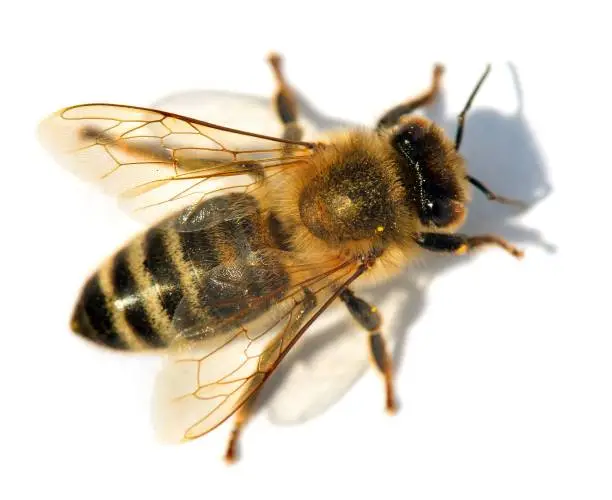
[(228, 278), (285, 102), (130, 302), (135, 298), (369, 318)]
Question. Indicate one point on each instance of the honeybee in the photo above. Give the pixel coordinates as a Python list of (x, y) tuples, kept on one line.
[(252, 237)]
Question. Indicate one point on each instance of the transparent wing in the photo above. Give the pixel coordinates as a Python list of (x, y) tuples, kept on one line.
[(212, 370), (331, 358), (236, 110), (158, 162)]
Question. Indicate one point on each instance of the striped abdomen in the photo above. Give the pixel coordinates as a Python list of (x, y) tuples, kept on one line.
[(208, 272)]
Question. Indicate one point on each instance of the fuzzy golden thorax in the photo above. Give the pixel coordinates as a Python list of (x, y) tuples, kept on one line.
[(361, 194)]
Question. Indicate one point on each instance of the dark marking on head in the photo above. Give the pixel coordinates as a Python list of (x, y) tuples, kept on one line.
[(427, 172)]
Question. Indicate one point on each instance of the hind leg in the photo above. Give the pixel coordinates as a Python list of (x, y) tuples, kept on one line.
[(240, 419), (369, 318)]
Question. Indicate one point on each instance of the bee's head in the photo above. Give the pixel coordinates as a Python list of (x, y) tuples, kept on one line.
[(432, 172)]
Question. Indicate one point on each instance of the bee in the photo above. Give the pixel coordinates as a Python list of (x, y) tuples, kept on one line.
[(252, 237)]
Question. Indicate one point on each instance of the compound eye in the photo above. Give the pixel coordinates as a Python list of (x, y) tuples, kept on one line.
[(442, 211), (407, 137)]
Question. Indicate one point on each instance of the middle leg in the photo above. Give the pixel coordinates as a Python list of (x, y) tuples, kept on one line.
[(285, 101), (369, 318)]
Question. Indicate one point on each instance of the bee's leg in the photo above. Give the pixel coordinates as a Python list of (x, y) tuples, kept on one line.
[(460, 244), (369, 318), (240, 419), (285, 101), (244, 413), (392, 117)]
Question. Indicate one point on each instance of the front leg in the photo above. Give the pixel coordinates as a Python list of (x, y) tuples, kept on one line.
[(369, 318), (460, 244), (394, 115)]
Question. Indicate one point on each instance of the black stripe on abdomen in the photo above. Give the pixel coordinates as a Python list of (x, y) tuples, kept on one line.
[(93, 320), (128, 298), (162, 270)]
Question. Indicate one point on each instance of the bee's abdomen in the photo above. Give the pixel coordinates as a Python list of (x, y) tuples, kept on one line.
[(123, 306), (93, 319), (130, 302)]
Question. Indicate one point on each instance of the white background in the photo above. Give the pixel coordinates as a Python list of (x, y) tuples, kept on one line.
[(505, 372)]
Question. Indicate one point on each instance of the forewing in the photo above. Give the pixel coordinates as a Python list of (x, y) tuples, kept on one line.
[(236, 110), (157, 162), (211, 373)]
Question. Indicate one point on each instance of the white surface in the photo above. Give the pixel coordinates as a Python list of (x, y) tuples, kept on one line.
[(505, 377)]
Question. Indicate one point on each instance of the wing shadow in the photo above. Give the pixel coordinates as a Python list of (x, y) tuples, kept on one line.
[(502, 152)]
